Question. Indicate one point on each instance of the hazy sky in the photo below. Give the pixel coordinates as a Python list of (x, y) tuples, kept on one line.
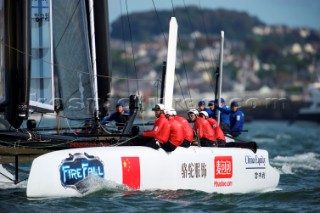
[(293, 13)]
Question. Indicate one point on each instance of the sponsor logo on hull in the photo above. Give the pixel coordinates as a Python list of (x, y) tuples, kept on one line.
[(223, 169), (75, 169), (193, 170), (255, 161)]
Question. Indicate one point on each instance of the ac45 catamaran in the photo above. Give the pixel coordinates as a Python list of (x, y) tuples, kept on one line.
[(71, 172)]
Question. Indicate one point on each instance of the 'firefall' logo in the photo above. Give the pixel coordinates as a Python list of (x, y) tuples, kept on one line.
[(223, 167), (78, 167)]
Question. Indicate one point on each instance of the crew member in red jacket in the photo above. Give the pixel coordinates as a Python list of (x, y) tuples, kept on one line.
[(203, 129), (221, 140), (176, 132), (187, 129), (160, 131)]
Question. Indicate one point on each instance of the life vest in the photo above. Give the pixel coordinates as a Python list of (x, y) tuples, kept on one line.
[(160, 130), (176, 132), (217, 130), (204, 129), (188, 132)]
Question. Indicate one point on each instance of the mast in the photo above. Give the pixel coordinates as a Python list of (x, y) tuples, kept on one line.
[(103, 56), (94, 59), (17, 60), (164, 67), (171, 63), (220, 74)]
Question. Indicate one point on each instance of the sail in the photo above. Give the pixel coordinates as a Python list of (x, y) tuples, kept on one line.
[(73, 66), (41, 85)]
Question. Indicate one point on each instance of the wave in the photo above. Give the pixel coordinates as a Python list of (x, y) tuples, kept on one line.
[(292, 164)]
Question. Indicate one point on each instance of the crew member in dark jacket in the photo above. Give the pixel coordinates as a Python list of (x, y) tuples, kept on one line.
[(120, 116), (211, 109), (236, 119), (225, 112)]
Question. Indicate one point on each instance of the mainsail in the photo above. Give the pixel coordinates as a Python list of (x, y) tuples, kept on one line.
[(41, 88), (73, 65), (62, 74)]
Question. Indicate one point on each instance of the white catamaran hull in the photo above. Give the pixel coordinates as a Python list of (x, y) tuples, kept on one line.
[(221, 170)]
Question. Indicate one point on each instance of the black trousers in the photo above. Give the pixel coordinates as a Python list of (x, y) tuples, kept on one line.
[(235, 134), (185, 144), (204, 142), (145, 141), (168, 146), (221, 143), (225, 127), (152, 143), (247, 145)]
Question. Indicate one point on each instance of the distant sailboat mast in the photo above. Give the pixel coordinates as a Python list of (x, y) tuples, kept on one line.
[(220, 74), (94, 58)]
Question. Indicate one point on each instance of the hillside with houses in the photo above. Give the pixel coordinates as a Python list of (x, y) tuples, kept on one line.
[(259, 60)]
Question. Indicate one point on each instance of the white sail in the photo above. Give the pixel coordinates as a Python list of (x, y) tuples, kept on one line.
[(171, 63)]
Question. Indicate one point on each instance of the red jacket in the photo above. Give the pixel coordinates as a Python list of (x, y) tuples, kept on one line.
[(204, 129), (217, 130), (176, 132), (160, 130), (188, 132)]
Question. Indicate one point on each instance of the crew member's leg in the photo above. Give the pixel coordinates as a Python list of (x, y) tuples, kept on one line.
[(185, 144), (168, 147)]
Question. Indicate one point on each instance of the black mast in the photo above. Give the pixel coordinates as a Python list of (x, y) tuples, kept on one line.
[(101, 21), (164, 69), (17, 60)]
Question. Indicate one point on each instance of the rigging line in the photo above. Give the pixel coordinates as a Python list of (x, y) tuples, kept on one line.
[(182, 57), (74, 70), (165, 40), (173, 10), (214, 62), (124, 48), (202, 58), (69, 21), (134, 61), (162, 31), (182, 92)]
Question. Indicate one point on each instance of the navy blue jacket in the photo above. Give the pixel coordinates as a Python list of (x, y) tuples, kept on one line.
[(120, 119), (212, 114), (225, 112), (236, 121)]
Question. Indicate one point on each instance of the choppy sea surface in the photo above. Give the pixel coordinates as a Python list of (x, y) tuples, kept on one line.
[(294, 150)]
